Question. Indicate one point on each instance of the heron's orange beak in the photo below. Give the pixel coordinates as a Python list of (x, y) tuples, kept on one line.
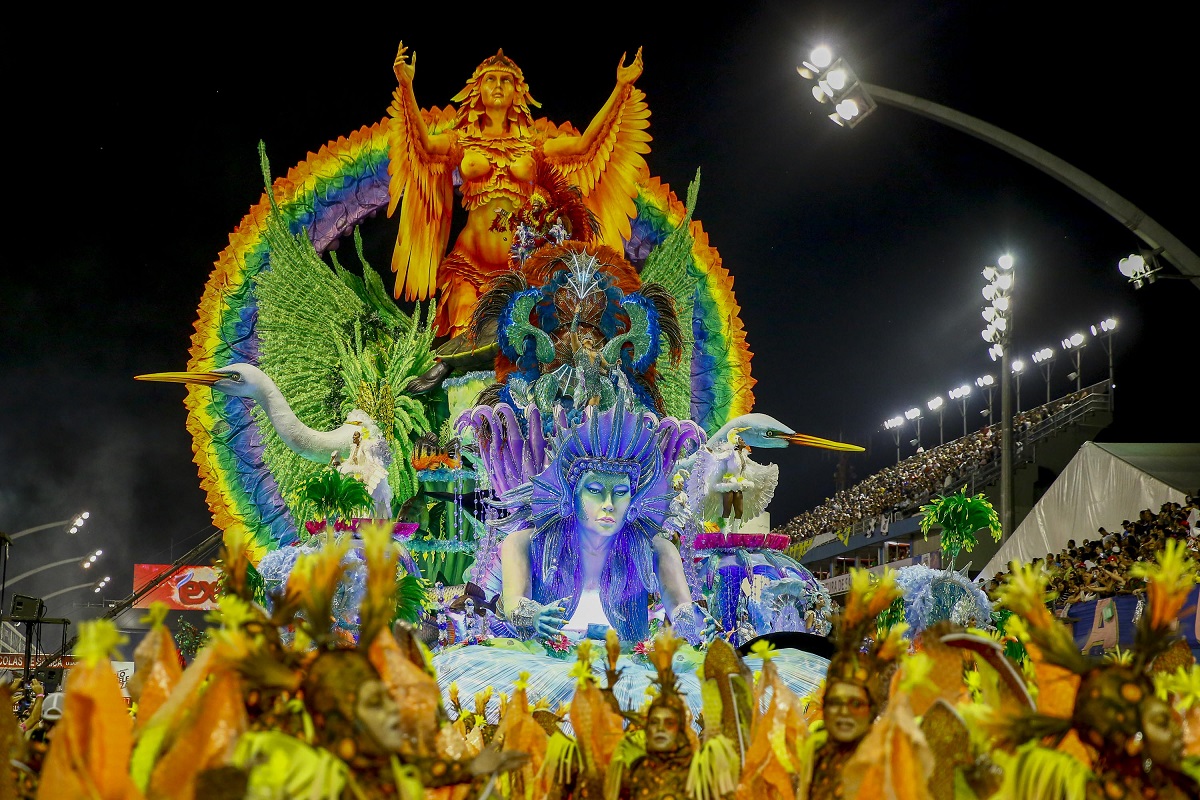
[(816, 441), (204, 378)]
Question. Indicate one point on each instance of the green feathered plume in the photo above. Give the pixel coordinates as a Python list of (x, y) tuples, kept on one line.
[(318, 320), (670, 265), (960, 516)]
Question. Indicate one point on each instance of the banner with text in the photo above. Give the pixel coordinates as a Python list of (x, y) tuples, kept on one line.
[(187, 589)]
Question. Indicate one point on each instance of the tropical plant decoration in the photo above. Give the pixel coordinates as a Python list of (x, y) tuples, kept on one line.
[(331, 496), (960, 516)]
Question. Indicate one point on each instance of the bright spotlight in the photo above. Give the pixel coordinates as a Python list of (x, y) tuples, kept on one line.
[(1005, 261), (86, 514), (935, 403), (99, 552), (74, 530), (821, 57), (1001, 304), (1018, 365), (912, 413), (1004, 281)]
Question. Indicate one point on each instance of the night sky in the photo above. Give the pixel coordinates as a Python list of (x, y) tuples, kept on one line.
[(856, 253)]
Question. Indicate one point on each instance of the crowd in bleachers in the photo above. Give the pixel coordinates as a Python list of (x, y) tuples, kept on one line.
[(1099, 567), (905, 487)]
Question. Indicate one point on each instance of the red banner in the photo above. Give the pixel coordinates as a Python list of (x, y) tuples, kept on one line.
[(188, 588)]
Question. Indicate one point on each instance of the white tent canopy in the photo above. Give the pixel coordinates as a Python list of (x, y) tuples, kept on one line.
[(1103, 485)]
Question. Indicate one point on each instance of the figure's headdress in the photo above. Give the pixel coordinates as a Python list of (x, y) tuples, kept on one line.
[(471, 107), (865, 656), (614, 441), (662, 656)]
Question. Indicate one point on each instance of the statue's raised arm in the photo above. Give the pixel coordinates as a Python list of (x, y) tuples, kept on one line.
[(607, 159), (421, 170)]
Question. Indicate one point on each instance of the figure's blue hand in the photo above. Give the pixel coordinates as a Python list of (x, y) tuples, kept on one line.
[(712, 628), (551, 618)]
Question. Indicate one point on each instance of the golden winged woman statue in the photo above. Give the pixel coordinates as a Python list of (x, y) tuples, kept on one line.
[(499, 153)]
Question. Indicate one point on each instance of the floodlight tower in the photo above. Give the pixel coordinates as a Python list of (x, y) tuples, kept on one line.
[(998, 333), (1018, 366), (939, 405), (1044, 358), (894, 424), (1104, 331), (1076, 341), (989, 383), (912, 414), (961, 394)]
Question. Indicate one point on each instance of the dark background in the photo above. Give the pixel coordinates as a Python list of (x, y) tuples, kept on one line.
[(857, 253)]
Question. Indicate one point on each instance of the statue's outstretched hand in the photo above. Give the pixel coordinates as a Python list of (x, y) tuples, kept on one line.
[(403, 67), (551, 618), (627, 75)]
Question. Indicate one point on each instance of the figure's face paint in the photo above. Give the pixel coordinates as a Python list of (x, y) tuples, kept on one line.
[(601, 502)]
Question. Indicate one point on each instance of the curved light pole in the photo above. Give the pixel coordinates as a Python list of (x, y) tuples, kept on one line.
[(86, 560), (863, 97), (76, 522), (74, 588)]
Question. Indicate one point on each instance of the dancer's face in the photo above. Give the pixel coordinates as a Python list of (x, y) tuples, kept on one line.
[(602, 501), (380, 716), (663, 730), (847, 712)]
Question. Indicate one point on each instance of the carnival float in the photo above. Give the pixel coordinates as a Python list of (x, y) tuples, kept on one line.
[(508, 539)]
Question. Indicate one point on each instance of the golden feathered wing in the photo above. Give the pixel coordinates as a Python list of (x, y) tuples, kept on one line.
[(607, 174), (422, 184)]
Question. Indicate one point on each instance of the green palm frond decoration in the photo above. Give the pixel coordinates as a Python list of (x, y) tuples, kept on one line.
[(332, 495), (411, 594), (960, 516)]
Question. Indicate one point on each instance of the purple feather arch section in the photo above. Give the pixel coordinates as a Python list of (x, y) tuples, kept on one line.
[(512, 457)]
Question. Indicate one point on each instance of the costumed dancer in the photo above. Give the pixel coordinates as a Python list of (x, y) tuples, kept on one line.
[(1120, 728)]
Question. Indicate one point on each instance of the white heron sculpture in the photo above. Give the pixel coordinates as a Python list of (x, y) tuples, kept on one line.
[(358, 447)]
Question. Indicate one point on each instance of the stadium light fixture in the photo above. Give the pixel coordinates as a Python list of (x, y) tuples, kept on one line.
[(835, 83), (961, 394)]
